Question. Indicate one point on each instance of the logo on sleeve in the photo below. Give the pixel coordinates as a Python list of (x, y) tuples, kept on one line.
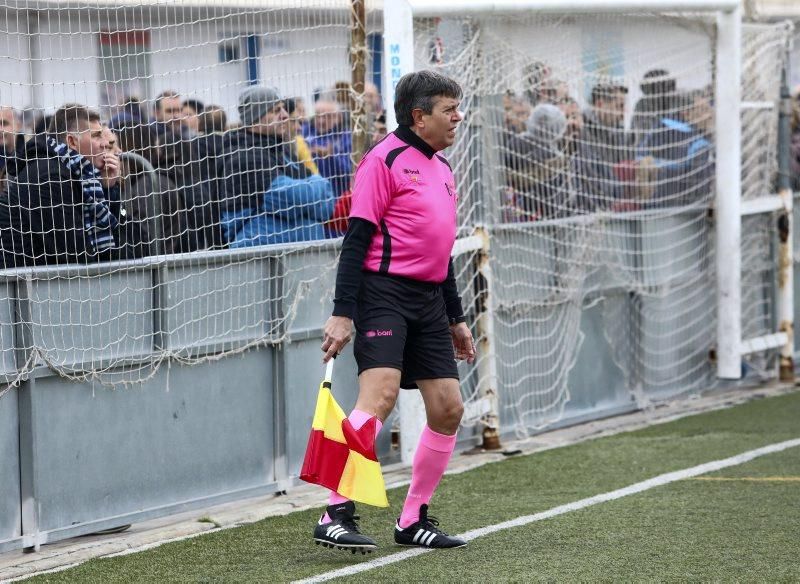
[(451, 189)]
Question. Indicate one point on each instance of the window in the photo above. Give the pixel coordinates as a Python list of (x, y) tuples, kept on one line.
[(124, 68)]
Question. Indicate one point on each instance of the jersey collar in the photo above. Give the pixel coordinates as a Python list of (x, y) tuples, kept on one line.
[(409, 137)]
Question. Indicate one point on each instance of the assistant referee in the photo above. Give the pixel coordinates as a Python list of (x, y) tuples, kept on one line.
[(395, 281)]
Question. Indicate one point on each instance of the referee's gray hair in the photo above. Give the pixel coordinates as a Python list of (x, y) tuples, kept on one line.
[(419, 90)]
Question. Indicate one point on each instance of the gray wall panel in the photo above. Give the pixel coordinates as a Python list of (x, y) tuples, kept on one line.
[(88, 319), (189, 432), (593, 385), (796, 250), (676, 339), (613, 254), (523, 266), (9, 467), (315, 272), (535, 346), (596, 382), (218, 305), (797, 305), (674, 247)]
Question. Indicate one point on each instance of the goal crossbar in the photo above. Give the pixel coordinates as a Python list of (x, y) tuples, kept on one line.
[(427, 8)]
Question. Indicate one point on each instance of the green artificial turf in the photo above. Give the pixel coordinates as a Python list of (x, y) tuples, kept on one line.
[(689, 530)]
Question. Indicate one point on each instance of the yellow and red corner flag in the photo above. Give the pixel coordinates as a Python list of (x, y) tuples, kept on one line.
[(340, 457)]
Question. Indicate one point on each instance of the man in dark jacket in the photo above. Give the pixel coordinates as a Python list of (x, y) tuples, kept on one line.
[(537, 168), (168, 118), (153, 202), (63, 206), (605, 148), (201, 158), (679, 153), (659, 94), (251, 155), (255, 159)]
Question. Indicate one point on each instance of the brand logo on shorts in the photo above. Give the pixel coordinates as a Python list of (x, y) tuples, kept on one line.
[(372, 334)]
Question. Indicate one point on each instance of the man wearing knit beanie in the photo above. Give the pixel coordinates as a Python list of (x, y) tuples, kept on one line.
[(256, 102), (262, 183)]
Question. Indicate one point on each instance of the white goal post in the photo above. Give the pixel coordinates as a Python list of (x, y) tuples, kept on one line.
[(398, 18)]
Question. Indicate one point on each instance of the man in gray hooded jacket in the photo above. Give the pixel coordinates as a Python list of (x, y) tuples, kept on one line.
[(537, 168)]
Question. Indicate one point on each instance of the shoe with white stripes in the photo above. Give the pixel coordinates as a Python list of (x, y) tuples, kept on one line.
[(426, 533), (342, 531)]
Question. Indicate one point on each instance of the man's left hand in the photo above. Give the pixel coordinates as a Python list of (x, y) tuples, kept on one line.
[(463, 343)]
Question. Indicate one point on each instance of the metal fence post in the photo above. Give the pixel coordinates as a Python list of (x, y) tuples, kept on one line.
[(27, 435), (785, 227), (280, 456), (358, 60), (487, 357)]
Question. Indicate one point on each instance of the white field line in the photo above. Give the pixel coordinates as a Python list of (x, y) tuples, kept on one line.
[(657, 481)]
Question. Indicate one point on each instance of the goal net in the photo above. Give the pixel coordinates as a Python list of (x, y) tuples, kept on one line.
[(588, 151), (171, 211)]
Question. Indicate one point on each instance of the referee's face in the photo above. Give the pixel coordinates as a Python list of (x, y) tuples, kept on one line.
[(439, 127)]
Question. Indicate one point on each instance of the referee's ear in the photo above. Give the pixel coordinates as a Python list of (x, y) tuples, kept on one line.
[(416, 115)]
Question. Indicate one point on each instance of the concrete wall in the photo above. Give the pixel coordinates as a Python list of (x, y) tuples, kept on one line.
[(79, 456)]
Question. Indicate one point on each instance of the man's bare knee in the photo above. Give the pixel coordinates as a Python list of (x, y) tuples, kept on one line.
[(455, 413), (386, 397), (443, 404), (378, 389), (447, 419)]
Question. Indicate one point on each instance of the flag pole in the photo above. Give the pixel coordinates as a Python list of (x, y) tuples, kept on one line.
[(329, 370)]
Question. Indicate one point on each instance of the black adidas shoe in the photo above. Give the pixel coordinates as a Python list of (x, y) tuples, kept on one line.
[(426, 533), (342, 531)]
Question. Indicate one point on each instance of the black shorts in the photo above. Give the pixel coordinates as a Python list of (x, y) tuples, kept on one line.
[(402, 323)]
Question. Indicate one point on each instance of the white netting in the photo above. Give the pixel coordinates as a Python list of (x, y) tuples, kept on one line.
[(764, 53), (596, 182), (160, 254), (764, 50), (586, 158)]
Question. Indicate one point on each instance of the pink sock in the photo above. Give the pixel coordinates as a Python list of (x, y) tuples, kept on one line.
[(357, 418), (430, 462)]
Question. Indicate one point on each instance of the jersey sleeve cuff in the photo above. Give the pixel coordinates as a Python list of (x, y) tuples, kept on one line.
[(457, 319), (341, 308)]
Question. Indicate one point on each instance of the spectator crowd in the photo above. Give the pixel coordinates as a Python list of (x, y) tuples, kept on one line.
[(75, 188), (78, 188), (560, 160)]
